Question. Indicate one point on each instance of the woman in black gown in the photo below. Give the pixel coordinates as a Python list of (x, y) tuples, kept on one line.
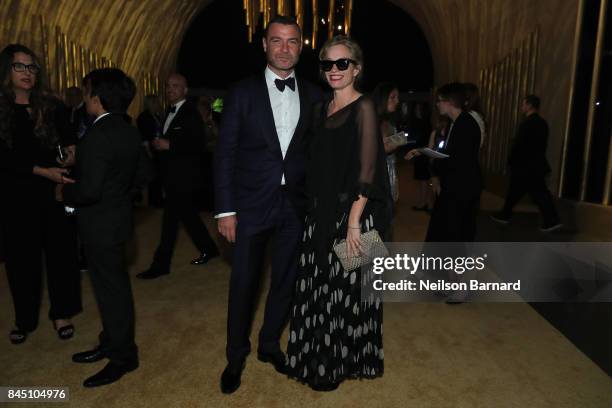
[(32, 220), (334, 335)]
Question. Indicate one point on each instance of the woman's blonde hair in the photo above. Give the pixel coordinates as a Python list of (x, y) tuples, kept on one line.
[(353, 47)]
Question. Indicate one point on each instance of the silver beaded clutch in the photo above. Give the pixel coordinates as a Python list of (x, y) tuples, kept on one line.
[(373, 247)]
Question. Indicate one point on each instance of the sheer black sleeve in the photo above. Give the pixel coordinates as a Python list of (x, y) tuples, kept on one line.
[(372, 165)]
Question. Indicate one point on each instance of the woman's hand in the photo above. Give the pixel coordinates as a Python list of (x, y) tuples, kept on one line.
[(55, 174), (388, 146), (411, 154), (354, 246)]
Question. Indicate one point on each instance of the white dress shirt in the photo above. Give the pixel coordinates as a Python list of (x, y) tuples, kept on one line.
[(101, 116), (171, 115), (286, 110)]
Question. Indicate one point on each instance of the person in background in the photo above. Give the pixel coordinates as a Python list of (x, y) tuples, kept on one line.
[(386, 98), (456, 180), (180, 150), (529, 168), (421, 130), (80, 120), (150, 126), (472, 106), (206, 199), (34, 225), (110, 162)]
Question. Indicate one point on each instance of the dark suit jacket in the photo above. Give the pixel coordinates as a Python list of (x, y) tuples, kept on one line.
[(460, 173), (249, 164), (181, 166), (110, 161), (528, 155)]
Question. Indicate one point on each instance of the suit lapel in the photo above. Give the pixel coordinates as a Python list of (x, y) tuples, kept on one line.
[(269, 128), (304, 115), (175, 119)]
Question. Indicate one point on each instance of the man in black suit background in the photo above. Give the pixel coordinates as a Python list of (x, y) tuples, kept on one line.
[(529, 168), (180, 153), (259, 193), (109, 163)]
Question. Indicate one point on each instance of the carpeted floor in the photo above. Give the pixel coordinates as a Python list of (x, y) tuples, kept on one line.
[(472, 355)]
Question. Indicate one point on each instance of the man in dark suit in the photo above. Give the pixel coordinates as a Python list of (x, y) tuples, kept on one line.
[(529, 168), (109, 161), (259, 193), (150, 124), (457, 180), (180, 153)]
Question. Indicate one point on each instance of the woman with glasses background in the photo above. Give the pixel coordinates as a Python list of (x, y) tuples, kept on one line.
[(333, 335), (33, 131)]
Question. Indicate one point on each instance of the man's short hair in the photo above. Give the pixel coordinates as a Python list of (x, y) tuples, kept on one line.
[(284, 20), (115, 89), (454, 93), (533, 101)]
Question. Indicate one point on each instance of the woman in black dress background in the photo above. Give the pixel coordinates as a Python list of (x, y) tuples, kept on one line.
[(420, 128), (333, 334), (33, 222)]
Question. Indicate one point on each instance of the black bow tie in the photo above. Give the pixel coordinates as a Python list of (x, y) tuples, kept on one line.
[(281, 83), (172, 109)]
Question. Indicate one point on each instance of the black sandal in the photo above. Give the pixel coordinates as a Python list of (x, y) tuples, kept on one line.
[(65, 332), (18, 336)]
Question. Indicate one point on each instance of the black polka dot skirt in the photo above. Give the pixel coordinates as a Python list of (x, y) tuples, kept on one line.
[(333, 334)]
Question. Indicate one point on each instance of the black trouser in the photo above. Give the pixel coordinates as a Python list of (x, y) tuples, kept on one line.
[(453, 218), (285, 230), (180, 207), (536, 187), (113, 291), (33, 230), (156, 195)]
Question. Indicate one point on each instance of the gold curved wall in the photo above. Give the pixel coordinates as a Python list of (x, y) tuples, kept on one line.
[(465, 36), (469, 36), (142, 37)]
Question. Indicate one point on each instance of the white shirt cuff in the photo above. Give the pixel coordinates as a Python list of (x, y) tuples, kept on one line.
[(225, 214)]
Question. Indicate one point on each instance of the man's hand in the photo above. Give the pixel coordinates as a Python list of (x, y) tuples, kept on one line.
[(227, 227), (161, 144)]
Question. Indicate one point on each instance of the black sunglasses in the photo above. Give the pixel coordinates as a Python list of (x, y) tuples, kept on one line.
[(20, 67), (342, 64)]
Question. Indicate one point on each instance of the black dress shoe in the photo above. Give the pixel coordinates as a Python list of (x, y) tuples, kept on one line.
[(109, 374), (151, 274), (65, 332), (18, 336), (90, 356), (278, 360), (324, 387), (230, 379), (205, 257)]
